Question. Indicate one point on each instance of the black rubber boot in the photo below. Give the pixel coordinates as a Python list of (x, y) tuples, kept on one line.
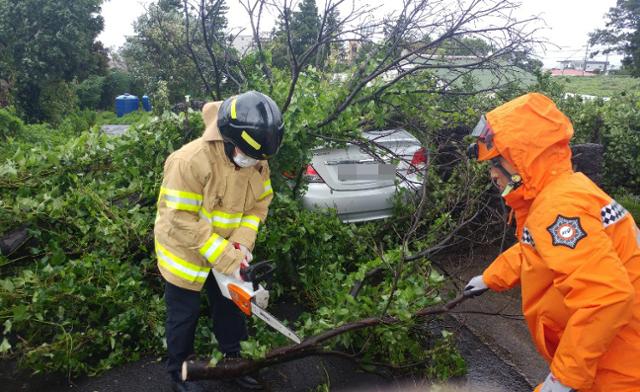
[(247, 382), (184, 386)]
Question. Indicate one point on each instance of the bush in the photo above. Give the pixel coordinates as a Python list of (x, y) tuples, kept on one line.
[(78, 122), (10, 124), (72, 326), (57, 100), (621, 138), (586, 117), (294, 234), (90, 92), (6, 97), (616, 125), (632, 204), (622, 162), (91, 282)]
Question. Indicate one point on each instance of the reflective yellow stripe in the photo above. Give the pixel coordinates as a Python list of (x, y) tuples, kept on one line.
[(213, 248), (176, 270), (181, 206), (250, 221), (179, 267), (247, 138), (221, 219), (184, 194), (233, 108), (267, 190), (181, 200)]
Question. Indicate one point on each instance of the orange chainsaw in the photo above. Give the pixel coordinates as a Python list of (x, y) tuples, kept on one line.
[(250, 296)]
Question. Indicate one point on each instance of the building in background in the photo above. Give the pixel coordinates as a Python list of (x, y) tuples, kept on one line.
[(245, 44), (581, 68)]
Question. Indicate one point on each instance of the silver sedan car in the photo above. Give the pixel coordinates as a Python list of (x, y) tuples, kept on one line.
[(360, 187)]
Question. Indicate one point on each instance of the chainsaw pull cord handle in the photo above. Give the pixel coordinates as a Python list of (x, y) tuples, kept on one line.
[(256, 272)]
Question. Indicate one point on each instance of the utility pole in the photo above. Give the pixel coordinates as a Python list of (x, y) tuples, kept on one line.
[(586, 54)]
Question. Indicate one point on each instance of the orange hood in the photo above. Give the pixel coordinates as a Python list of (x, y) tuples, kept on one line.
[(533, 135)]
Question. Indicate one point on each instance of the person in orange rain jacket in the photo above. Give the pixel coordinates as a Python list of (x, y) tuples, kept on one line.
[(578, 255)]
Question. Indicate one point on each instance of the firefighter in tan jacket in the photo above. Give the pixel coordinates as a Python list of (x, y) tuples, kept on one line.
[(214, 196)]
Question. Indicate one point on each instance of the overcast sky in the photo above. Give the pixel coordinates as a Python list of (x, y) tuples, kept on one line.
[(568, 21)]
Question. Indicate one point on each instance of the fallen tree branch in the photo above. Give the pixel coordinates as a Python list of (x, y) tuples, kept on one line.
[(357, 286), (201, 370), (499, 314)]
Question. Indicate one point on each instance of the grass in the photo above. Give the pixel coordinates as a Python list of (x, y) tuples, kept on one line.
[(601, 86), (133, 118)]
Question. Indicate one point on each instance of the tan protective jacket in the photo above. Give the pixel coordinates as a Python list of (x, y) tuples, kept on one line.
[(205, 205)]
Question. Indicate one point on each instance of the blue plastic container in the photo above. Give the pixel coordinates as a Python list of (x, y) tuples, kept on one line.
[(126, 104), (146, 103)]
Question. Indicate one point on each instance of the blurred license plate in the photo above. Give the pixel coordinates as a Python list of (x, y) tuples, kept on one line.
[(361, 172)]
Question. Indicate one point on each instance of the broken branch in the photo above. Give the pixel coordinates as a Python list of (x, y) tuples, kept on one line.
[(201, 370)]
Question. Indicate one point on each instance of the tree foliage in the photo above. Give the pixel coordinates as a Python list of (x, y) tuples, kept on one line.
[(467, 46), (622, 33), (185, 45), (76, 197), (46, 43), (150, 55), (297, 31)]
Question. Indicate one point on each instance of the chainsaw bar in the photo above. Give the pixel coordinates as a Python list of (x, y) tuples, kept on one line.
[(273, 322)]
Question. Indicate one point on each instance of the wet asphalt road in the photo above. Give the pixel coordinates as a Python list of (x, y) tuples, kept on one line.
[(486, 372)]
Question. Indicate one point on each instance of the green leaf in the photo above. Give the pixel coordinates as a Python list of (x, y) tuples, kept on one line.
[(7, 285), (7, 326), (20, 313), (5, 346)]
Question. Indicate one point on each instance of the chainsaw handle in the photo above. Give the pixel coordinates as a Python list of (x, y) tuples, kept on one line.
[(256, 272)]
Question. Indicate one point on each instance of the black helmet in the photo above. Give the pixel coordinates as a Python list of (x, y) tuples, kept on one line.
[(253, 123)]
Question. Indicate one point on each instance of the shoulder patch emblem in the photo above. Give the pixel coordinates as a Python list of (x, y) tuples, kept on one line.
[(612, 213), (566, 232), (527, 238)]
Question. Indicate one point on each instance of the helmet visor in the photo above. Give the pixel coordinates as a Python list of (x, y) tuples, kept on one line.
[(483, 132), (481, 128)]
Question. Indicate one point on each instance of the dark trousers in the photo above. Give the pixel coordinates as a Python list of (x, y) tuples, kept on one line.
[(183, 311)]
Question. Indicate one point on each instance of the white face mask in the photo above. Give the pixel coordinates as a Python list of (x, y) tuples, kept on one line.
[(244, 161)]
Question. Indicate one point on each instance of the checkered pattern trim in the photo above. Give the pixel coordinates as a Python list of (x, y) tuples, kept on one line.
[(612, 213), (527, 238)]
